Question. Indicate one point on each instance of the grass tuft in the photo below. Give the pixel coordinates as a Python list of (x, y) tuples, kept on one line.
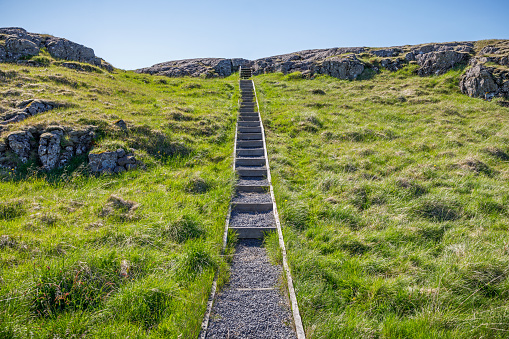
[(185, 228), (11, 209), (437, 209)]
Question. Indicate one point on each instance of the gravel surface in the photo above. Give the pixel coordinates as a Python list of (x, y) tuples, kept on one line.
[(250, 314), (252, 181), (252, 219), (250, 167), (251, 267), (252, 197)]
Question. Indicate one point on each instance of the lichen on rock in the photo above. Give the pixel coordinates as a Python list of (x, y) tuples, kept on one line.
[(27, 109), (51, 146), (112, 162), (488, 75), (19, 143), (436, 63)]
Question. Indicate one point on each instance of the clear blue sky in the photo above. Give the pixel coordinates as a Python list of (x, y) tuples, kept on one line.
[(133, 34)]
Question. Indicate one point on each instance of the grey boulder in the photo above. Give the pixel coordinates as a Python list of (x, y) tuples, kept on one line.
[(436, 63), (49, 149), (19, 143)]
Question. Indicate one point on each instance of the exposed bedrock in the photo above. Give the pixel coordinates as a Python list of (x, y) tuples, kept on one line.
[(488, 74), (343, 63), (17, 44), (436, 63), (204, 67), (485, 81), (50, 146), (27, 109), (342, 67), (112, 162)]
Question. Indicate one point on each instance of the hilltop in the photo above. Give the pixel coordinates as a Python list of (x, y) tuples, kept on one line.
[(487, 76)]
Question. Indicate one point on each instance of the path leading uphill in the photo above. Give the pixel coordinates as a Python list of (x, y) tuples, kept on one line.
[(254, 303)]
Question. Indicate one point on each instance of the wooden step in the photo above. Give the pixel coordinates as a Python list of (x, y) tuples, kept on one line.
[(249, 129), (249, 118), (252, 207), (248, 123), (243, 152), (248, 114), (252, 172), (250, 144), (249, 136), (253, 188), (259, 161)]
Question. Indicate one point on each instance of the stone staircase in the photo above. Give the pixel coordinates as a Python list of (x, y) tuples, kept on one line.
[(253, 303)]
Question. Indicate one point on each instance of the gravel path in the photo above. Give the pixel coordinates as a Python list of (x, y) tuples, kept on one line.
[(251, 197), (251, 267), (252, 219), (251, 313), (252, 181)]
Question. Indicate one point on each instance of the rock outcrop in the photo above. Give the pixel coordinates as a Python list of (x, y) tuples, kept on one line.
[(112, 162), (49, 148), (436, 63), (488, 75), (52, 146), (478, 81), (205, 67), (343, 63), (20, 143), (27, 109), (387, 53), (348, 68), (17, 44), (463, 47), (310, 62)]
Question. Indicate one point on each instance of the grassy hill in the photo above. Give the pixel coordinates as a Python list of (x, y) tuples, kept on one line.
[(116, 256), (393, 191), (394, 196)]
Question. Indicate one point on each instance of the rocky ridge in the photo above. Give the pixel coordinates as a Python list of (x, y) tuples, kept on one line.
[(487, 76), (203, 67), (16, 45)]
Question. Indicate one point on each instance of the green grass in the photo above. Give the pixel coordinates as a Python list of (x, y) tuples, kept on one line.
[(394, 195), (393, 191), (116, 256)]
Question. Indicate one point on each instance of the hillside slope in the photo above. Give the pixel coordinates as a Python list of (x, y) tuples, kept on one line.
[(111, 255), (391, 185), (394, 196)]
